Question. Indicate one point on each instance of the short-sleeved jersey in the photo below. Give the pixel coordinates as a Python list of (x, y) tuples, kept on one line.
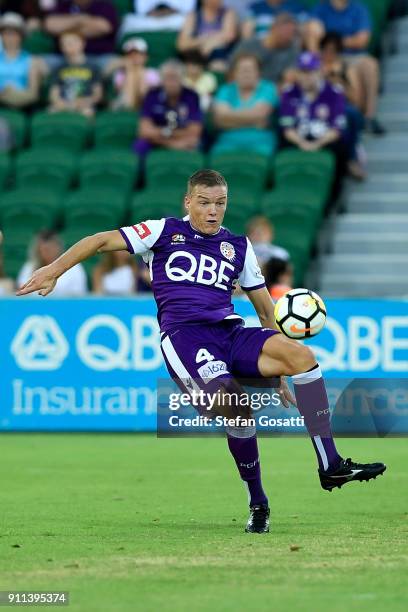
[(193, 274)]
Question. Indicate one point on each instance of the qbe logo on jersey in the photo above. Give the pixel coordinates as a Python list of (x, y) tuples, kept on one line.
[(204, 271)]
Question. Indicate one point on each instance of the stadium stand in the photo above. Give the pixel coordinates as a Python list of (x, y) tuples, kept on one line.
[(364, 250), (63, 130), (79, 175)]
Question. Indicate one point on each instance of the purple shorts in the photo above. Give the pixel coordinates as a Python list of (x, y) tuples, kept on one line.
[(207, 355)]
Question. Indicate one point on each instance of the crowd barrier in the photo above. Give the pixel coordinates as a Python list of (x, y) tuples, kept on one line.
[(93, 364)]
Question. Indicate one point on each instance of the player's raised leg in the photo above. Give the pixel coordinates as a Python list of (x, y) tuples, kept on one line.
[(283, 356)]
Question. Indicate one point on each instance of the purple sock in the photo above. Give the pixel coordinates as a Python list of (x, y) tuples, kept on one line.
[(245, 453), (313, 405)]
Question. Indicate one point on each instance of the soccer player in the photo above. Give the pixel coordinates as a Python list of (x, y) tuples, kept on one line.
[(194, 264)]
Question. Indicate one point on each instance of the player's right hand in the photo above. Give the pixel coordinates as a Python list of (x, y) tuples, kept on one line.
[(43, 281)]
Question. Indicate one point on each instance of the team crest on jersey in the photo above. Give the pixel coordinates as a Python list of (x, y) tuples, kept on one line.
[(227, 250), (177, 239), (142, 230)]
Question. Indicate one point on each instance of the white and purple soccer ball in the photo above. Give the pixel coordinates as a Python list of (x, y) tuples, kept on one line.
[(300, 313)]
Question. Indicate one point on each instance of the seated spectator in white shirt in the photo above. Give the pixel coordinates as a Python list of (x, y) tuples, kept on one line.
[(116, 274), (46, 249), (129, 76), (156, 15)]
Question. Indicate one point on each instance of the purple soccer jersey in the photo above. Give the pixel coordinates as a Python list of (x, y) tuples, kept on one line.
[(313, 118), (193, 274)]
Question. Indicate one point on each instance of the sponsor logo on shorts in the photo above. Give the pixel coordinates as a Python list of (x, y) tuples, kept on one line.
[(212, 369), (227, 250), (142, 230)]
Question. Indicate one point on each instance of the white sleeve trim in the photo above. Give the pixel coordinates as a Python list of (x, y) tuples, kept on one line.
[(140, 238), (251, 276)]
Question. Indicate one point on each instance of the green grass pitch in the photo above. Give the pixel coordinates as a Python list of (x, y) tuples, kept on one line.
[(130, 522)]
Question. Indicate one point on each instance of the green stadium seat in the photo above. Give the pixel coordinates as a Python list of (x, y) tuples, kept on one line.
[(123, 6), (69, 131), (18, 125), (50, 167), (296, 215), (39, 42), (243, 172), (293, 200), (26, 211), (155, 203), (115, 129), (305, 171), (5, 167), (170, 168), (15, 252), (162, 45), (111, 169), (94, 209)]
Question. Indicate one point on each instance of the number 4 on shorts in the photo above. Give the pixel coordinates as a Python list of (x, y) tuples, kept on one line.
[(203, 355)]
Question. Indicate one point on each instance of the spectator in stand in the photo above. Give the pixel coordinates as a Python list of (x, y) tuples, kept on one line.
[(95, 20), (277, 51), (129, 75), (75, 85), (30, 10), (212, 30), (156, 15), (278, 277), (261, 233), (262, 13), (20, 72), (243, 110), (239, 6), (312, 114), (351, 20), (338, 73), (47, 248), (170, 116), (197, 78), (116, 274)]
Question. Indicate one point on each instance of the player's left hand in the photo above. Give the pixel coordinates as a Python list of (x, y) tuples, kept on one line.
[(285, 394)]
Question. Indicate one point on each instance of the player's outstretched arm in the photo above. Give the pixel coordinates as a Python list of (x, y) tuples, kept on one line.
[(44, 279), (264, 306)]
